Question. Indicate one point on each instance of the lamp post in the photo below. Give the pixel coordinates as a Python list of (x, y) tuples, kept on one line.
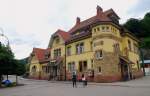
[(142, 58)]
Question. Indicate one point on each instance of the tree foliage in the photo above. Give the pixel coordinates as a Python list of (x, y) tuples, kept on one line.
[(9, 65), (141, 28)]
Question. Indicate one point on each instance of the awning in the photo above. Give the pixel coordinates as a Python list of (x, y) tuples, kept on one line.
[(56, 62), (126, 60)]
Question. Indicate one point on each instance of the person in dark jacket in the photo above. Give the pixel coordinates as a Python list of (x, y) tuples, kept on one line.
[(74, 79)]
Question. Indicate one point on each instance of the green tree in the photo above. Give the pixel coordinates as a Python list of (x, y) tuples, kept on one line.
[(134, 25), (9, 65), (6, 59), (18, 69), (145, 24)]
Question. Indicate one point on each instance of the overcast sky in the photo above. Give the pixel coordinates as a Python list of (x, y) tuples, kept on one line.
[(30, 23)]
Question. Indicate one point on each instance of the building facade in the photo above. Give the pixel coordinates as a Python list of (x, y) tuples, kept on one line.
[(38, 63), (98, 47)]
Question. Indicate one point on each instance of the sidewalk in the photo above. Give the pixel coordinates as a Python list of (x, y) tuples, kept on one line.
[(141, 82)]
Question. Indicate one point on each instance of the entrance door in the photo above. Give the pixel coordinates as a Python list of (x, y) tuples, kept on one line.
[(125, 72), (54, 71)]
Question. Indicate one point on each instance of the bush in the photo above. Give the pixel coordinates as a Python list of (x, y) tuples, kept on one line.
[(11, 84)]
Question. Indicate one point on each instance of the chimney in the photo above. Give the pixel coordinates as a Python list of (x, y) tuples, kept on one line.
[(99, 10), (77, 21)]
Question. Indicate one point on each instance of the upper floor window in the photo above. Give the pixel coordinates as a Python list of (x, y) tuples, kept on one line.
[(117, 48), (34, 69), (80, 48), (129, 45), (57, 53), (105, 28), (99, 54), (69, 51), (135, 48), (98, 29)]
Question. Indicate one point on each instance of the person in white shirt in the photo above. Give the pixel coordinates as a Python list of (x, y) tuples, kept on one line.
[(84, 80)]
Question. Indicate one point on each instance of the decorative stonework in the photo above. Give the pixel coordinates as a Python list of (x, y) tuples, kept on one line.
[(110, 36), (109, 64)]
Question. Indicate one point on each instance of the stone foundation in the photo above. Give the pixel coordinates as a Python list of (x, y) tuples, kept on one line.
[(138, 74), (107, 79)]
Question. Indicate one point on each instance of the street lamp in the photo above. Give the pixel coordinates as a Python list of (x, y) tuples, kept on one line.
[(142, 58)]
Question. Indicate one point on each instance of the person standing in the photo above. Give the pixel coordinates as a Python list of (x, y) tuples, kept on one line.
[(84, 80), (74, 80)]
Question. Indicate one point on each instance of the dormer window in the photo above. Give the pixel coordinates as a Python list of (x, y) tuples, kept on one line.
[(94, 29), (98, 29), (57, 40), (47, 55)]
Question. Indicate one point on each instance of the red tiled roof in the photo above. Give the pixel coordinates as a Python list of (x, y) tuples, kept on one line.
[(103, 17), (63, 34), (40, 53), (111, 11)]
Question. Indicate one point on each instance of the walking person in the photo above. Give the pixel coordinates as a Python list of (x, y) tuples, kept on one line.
[(74, 80), (84, 80)]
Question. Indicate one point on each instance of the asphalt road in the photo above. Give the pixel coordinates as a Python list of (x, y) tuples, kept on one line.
[(139, 87)]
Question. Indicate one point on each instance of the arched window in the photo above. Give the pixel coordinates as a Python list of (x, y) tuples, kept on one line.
[(99, 54), (34, 69)]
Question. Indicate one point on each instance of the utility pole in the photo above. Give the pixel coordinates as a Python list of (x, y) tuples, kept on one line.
[(142, 58)]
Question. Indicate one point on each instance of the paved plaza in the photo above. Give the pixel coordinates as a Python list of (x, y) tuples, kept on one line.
[(138, 87)]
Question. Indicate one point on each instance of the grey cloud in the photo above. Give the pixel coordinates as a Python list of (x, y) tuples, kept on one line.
[(141, 7)]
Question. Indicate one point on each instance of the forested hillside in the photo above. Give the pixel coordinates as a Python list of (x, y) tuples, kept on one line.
[(141, 28)]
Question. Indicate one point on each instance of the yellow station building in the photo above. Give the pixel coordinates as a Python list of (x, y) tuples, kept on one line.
[(98, 47)]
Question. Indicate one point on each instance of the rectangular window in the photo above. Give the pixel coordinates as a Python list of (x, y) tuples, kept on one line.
[(107, 29), (99, 54), (135, 48), (99, 69), (71, 67), (80, 66), (129, 45), (44, 69), (77, 49), (80, 48), (57, 53), (98, 29), (83, 66), (117, 48), (103, 28), (69, 51)]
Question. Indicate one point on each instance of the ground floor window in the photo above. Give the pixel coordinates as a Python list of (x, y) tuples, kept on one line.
[(99, 69), (71, 66), (33, 69), (82, 66), (46, 69)]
